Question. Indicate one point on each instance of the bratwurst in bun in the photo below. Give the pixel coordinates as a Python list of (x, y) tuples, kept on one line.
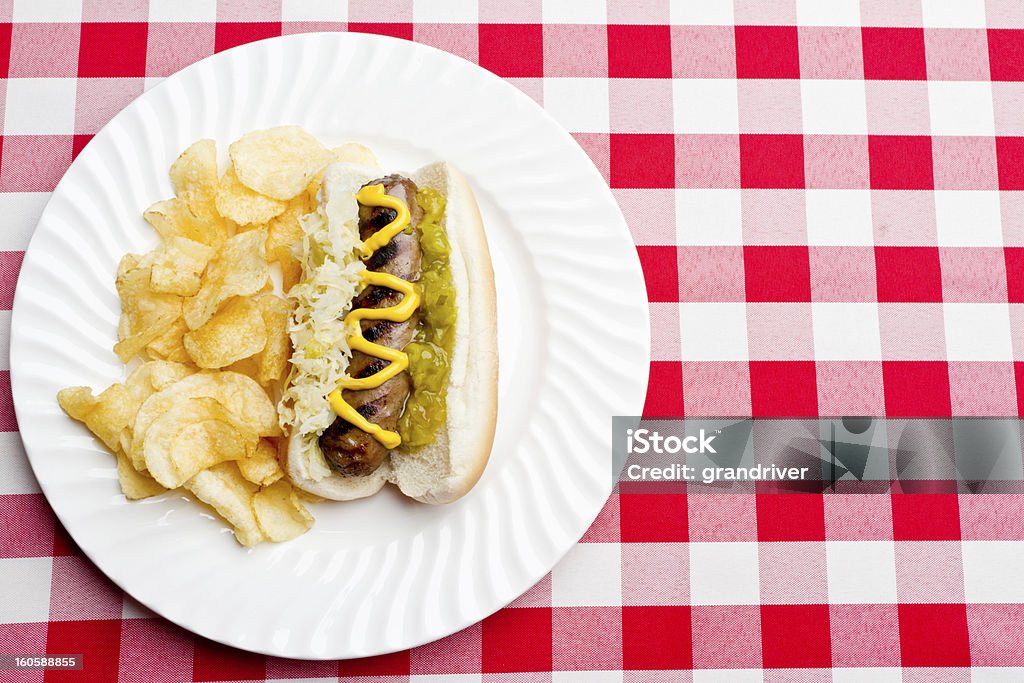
[(395, 363)]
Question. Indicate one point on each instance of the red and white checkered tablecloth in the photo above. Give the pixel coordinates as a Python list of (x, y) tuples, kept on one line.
[(828, 201)]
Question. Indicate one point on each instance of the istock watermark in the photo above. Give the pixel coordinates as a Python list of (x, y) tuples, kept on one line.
[(818, 455)]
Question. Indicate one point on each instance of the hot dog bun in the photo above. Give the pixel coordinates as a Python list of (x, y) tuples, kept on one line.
[(449, 467)]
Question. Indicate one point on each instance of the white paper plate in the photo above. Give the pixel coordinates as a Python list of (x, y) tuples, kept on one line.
[(385, 573)]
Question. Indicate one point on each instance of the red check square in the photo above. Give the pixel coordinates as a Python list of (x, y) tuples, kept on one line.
[(661, 272), (5, 53), (1018, 374), (665, 390), (771, 161), (908, 274), (233, 34), (790, 517), (216, 662), (512, 50), (78, 143), (894, 54), (1010, 160), (517, 639), (642, 160), (656, 638), (653, 518), (1006, 54), (393, 29), (112, 50), (767, 52), (1014, 257), (783, 388), (901, 162), (98, 640), (795, 636), (393, 664), (916, 388), (934, 635), (639, 51), (774, 273), (925, 517)]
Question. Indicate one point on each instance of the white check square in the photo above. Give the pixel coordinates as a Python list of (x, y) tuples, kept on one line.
[(47, 11), (953, 13), (968, 218), (961, 108), (26, 582), (861, 572), (713, 331), (846, 331), (589, 575), (993, 571), (195, 10), (828, 12), (705, 105), (445, 11), (839, 218), (724, 574), (977, 332), (571, 11), (40, 106), (579, 104), (701, 13), (834, 107), (709, 217)]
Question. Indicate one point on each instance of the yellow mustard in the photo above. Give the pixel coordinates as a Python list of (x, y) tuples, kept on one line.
[(374, 195)]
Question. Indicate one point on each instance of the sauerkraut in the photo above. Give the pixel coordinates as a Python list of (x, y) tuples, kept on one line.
[(330, 262)]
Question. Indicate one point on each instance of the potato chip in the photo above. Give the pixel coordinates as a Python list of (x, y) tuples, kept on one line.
[(105, 415), (279, 512), (354, 153), (193, 435), (223, 488), (238, 269), (273, 359), (175, 267), (291, 275), (134, 484), (169, 345), (110, 414), (77, 402), (278, 162), (261, 467), (247, 366), (194, 177), (284, 231), (236, 332), (241, 395), (145, 315), (242, 205), (309, 497), (171, 218), (154, 376)]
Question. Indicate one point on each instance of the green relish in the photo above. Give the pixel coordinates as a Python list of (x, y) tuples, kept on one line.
[(426, 410)]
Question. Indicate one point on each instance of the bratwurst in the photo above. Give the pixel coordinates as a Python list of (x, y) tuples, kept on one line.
[(349, 450)]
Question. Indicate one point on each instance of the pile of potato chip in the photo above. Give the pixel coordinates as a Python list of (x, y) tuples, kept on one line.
[(201, 313)]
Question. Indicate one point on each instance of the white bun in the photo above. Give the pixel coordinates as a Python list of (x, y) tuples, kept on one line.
[(448, 468)]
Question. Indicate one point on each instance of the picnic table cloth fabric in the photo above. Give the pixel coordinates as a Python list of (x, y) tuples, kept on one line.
[(827, 197)]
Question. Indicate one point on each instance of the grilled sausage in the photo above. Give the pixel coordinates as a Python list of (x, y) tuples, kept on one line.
[(350, 450)]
